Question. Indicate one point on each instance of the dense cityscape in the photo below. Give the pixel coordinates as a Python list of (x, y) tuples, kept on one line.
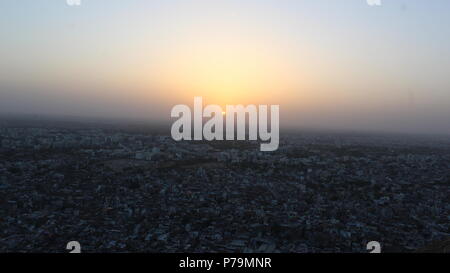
[(121, 190)]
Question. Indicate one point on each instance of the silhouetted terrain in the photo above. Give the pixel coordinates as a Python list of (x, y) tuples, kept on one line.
[(128, 189)]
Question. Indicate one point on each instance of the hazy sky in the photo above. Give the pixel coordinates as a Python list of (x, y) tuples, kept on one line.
[(328, 64)]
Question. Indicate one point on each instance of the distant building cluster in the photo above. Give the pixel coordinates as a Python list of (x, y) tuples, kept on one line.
[(118, 190)]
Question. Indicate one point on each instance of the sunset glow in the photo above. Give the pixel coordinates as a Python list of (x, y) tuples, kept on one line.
[(333, 64)]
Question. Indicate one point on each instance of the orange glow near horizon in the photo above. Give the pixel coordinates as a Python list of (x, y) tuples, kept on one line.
[(227, 73)]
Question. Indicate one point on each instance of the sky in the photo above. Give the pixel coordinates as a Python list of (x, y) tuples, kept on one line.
[(328, 64)]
